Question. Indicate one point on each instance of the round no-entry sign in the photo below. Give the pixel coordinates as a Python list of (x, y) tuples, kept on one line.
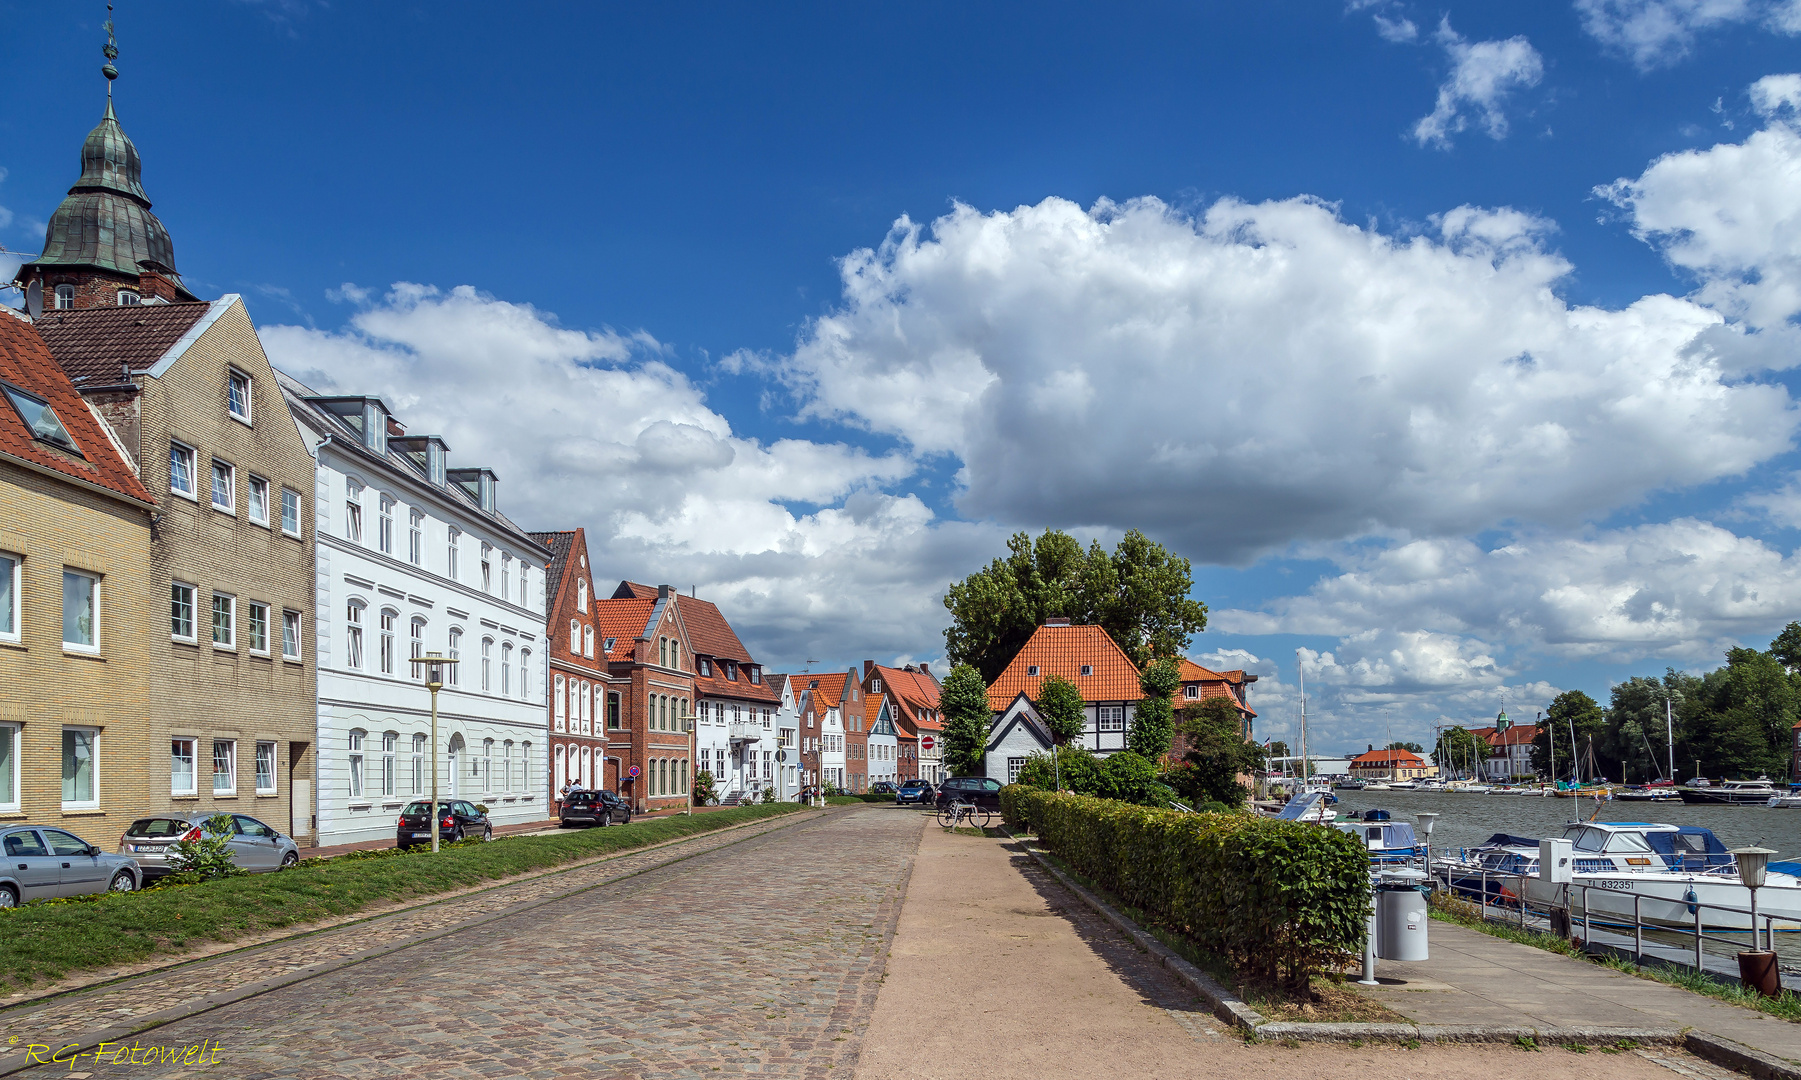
[(633, 771), (926, 742)]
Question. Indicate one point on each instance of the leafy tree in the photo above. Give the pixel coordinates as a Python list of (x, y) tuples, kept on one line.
[(1060, 704), (1636, 732), (1752, 702), (1459, 749), (1216, 754), (1079, 769), (1139, 593), (1575, 710), (1153, 720), (1131, 777), (1787, 648), (963, 703), (1411, 747), (1278, 749)]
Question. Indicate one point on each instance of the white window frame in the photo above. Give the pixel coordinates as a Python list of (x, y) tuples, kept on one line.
[(129, 298), (1110, 718), (93, 803), (230, 505), (386, 627), (581, 596), (231, 612), (250, 627), (487, 766), (487, 568), (290, 615), (295, 531), (506, 669), (65, 297), (181, 748), (575, 636), (384, 528), (230, 746), (418, 764), (415, 537), (192, 637), (274, 779), (355, 657), (559, 702), (415, 636), (353, 511), (192, 459), (257, 483), (588, 642), (390, 763), (487, 664), (15, 734), (14, 614), (525, 674), (233, 378), (452, 553), (94, 603), (353, 763), (455, 651)]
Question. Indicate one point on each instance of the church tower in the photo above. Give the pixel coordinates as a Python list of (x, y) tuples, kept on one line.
[(104, 246)]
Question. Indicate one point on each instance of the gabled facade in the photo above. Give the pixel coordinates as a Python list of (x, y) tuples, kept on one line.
[(579, 682), (1200, 683), (737, 704), (651, 659), (80, 607), (188, 392), (787, 740), (413, 556), (1087, 657), (1017, 734), (822, 729), (884, 741), (854, 714), (911, 694)]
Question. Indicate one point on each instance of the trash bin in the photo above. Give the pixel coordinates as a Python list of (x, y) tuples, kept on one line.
[(1401, 915)]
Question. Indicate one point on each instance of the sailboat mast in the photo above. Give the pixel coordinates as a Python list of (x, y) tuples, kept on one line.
[(1669, 734), (1301, 669)]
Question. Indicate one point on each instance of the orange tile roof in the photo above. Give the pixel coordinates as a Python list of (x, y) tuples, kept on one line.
[(623, 620), (1062, 650), (26, 362), (912, 692), (828, 693), (1403, 758)]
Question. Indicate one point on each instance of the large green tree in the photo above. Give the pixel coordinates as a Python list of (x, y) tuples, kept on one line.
[(963, 704), (1060, 704), (1637, 734), (1571, 710), (1216, 753), (1138, 592), (1153, 718)]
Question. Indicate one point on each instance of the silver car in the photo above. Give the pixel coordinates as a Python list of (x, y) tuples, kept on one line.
[(43, 862), (254, 846)]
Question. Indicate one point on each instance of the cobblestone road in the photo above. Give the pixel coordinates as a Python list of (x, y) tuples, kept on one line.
[(762, 956)]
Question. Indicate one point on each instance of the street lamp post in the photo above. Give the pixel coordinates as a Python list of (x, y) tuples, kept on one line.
[(436, 665)]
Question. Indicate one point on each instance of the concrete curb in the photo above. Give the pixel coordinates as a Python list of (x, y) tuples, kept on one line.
[(1739, 1057)]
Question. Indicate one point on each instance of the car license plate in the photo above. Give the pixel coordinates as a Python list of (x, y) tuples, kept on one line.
[(422, 836)]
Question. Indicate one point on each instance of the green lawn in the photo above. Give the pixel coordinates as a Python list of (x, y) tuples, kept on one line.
[(47, 940)]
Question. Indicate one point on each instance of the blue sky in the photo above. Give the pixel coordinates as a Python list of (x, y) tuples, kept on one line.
[(1334, 298)]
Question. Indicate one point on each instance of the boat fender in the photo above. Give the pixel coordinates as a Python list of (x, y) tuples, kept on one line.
[(1689, 898)]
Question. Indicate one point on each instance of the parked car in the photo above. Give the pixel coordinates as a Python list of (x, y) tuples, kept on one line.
[(42, 862), (255, 847), (915, 791), (458, 819), (979, 790), (881, 787), (593, 808)]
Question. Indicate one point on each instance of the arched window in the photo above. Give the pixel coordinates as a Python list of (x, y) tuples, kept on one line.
[(487, 765), (583, 702), (525, 681), (588, 642), (525, 577), (385, 533), (575, 636), (663, 651), (388, 617), (390, 768), (355, 763), (588, 768), (506, 766), (506, 668), (456, 653), (418, 764), (487, 665), (556, 699), (416, 642), (557, 770), (506, 576), (675, 654), (581, 595), (456, 762), (353, 634), (525, 768), (65, 297), (684, 775)]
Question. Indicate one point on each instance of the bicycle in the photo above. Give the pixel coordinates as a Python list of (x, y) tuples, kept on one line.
[(963, 813)]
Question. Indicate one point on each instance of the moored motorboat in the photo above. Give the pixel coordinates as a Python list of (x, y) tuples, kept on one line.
[(1732, 793)]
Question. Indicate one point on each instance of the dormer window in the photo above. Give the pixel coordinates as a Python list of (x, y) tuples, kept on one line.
[(706, 667), (127, 298), (1032, 669), (1088, 669), (40, 419), (756, 676), (65, 297), (607, 647)]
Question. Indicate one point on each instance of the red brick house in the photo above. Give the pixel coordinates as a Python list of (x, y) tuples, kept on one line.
[(1200, 683), (650, 733), (579, 682), (912, 695)]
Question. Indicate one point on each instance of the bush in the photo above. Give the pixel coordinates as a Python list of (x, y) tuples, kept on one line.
[(208, 856), (1279, 900), (1125, 776)]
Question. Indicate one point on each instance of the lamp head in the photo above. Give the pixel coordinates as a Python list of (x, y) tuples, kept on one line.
[(1427, 820), (436, 664), (1752, 862)]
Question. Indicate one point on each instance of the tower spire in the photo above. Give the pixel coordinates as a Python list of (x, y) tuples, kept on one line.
[(111, 51)]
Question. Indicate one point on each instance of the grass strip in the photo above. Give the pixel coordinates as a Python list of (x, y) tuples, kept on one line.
[(47, 940), (1334, 1002), (1464, 913)]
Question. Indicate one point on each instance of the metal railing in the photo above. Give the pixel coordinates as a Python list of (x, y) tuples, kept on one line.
[(1523, 906)]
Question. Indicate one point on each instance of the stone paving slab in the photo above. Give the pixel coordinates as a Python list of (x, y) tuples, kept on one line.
[(116, 1008), (759, 956)]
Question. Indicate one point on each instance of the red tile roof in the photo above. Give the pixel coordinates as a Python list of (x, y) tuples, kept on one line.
[(1062, 650), (912, 692), (1210, 684), (827, 688), (1406, 759), (94, 345), (710, 635), (623, 620), (27, 363)]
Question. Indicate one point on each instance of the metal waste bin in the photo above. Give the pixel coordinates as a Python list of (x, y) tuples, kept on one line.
[(1401, 915)]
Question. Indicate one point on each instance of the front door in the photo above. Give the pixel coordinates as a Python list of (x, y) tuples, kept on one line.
[(30, 862), (81, 872)]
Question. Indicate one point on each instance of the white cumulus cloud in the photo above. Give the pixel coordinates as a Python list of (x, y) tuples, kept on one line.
[(1484, 74), (1655, 33)]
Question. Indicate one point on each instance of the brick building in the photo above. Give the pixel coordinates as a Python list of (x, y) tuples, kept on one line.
[(911, 695), (579, 683), (650, 734), (79, 606)]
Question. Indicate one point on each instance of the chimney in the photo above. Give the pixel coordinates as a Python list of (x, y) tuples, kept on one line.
[(1057, 620), (153, 283), (664, 592), (868, 668), (925, 667)]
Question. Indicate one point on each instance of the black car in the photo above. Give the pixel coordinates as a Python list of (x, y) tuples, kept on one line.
[(593, 808), (976, 790), (915, 791), (458, 820), (881, 787)]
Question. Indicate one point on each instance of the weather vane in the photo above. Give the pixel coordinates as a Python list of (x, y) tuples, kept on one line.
[(111, 52)]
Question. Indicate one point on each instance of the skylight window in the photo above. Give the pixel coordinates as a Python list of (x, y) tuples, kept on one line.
[(41, 419)]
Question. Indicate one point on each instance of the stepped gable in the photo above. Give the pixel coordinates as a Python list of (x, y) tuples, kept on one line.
[(1058, 648), (26, 362), (100, 346)]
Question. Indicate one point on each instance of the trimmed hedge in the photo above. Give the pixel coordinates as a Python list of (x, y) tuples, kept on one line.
[(1279, 900)]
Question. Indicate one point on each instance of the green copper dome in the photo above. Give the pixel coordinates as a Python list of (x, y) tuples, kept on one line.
[(106, 221)]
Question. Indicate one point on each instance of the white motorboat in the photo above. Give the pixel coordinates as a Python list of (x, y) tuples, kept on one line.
[(1403, 784), (1785, 802), (1376, 785), (1675, 870), (1470, 787)]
